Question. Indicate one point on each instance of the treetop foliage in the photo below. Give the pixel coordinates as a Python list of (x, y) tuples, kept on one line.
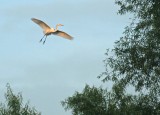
[(14, 105), (91, 101), (136, 56)]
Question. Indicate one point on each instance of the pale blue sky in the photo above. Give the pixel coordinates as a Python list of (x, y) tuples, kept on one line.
[(47, 74)]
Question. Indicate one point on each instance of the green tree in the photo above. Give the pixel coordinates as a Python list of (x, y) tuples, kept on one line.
[(97, 101), (136, 56), (15, 106), (92, 101)]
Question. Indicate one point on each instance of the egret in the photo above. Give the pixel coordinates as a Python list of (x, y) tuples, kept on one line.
[(48, 30)]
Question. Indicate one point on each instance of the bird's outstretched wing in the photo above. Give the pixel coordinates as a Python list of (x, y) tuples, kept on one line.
[(43, 25), (62, 34)]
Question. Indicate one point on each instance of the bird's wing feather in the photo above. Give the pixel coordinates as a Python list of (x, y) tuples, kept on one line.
[(43, 25), (62, 34)]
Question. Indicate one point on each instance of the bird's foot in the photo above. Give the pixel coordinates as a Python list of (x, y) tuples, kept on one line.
[(40, 40)]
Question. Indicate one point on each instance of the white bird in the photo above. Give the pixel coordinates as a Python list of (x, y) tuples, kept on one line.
[(48, 31)]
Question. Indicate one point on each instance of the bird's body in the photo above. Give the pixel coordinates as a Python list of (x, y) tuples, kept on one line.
[(48, 31)]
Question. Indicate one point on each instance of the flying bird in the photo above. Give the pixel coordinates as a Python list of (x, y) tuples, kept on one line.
[(48, 30)]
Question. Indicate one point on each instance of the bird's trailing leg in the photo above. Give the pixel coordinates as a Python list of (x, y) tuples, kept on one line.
[(42, 38)]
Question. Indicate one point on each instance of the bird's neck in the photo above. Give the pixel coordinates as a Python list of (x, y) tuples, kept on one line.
[(56, 27), (52, 29)]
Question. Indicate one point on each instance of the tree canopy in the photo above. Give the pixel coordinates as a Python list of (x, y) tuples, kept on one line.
[(92, 101), (136, 56), (14, 105)]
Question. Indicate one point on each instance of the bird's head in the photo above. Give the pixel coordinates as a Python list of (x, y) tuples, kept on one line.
[(60, 25), (57, 26)]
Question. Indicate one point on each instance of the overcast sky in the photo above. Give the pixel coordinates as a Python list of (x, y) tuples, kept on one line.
[(47, 74)]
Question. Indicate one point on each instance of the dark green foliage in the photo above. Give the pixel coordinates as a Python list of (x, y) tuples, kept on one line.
[(92, 101), (14, 106), (136, 56), (97, 101)]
